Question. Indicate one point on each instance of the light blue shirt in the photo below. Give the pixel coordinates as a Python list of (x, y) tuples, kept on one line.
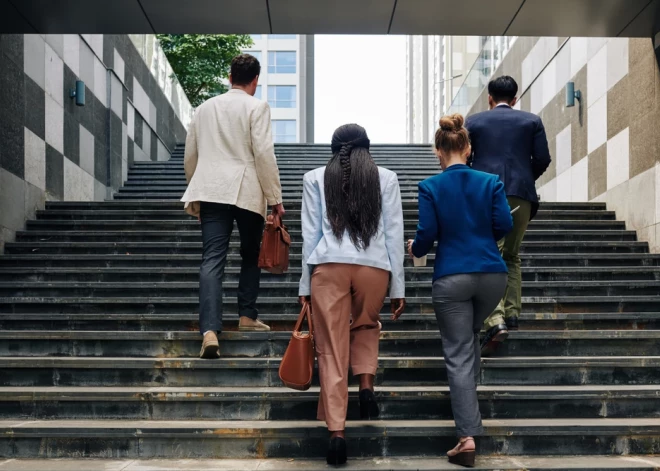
[(386, 250)]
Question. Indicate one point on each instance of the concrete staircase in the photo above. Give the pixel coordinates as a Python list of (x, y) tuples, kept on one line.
[(99, 343)]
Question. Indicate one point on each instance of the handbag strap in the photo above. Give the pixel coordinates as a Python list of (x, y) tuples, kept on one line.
[(305, 312)]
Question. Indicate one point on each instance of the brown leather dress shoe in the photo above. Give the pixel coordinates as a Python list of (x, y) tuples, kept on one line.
[(245, 324), (210, 346)]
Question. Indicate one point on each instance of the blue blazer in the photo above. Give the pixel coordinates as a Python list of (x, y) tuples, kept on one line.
[(513, 145), (467, 212)]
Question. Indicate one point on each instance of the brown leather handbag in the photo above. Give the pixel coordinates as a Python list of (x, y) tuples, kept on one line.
[(297, 365), (275, 244)]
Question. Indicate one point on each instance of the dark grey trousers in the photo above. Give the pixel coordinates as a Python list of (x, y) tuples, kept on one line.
[(461, 304), (217, 226)]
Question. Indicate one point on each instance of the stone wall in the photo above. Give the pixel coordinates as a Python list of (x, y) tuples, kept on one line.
[(608, 147), (51, 149)]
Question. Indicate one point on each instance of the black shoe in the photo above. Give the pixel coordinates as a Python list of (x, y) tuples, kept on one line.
[(493, 338), (368, 405), (512, 323), (337, 451)]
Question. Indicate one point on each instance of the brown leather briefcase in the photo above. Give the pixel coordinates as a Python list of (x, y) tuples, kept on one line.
[(274, 255), (297, 365)]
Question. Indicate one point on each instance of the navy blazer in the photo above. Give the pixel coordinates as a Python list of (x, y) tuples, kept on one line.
[(466, 211), (512, 145)]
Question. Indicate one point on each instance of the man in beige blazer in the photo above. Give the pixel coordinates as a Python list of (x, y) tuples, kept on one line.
[(232, 176)]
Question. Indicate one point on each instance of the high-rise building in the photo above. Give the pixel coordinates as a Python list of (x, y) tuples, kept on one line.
[(436, 68), (287, 83)]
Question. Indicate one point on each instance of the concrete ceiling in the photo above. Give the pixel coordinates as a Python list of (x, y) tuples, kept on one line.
[(606, 18)]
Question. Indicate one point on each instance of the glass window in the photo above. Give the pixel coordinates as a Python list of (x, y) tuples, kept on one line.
[(282, 96), (256, 54), (282, 62), (282, 36), (255, 36), (284, 130), (257, 94)]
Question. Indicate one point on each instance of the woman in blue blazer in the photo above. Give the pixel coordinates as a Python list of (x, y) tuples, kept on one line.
[(467, 212)]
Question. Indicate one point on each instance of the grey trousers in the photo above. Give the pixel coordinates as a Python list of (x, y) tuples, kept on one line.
[(461, 304)]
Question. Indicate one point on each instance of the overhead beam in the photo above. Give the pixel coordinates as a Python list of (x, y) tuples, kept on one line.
[(597, 18)]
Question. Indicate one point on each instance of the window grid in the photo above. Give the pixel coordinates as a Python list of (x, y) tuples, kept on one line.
[(284, 130), (282, 96), (282, 62)]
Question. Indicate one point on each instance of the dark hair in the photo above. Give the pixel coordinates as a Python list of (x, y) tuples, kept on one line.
[(503, 89), (452, 135), (352, 187), (244, 69)]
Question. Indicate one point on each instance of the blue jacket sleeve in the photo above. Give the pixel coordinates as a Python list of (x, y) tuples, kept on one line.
[(427, 228), (502, 220), (312, 230), (393, 222)]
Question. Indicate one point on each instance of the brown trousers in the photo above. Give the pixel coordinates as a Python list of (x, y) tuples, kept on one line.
[(346, 304)]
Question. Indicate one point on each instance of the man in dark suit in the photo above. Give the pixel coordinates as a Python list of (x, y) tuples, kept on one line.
[(513, 145)]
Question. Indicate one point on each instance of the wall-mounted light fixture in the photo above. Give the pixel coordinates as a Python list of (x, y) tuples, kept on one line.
[(79, 93), (572, 95)]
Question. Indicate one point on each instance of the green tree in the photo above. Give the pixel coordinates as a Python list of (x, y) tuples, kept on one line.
[(202, 61)]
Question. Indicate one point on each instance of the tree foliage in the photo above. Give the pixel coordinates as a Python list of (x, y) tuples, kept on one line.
[(202, 61)]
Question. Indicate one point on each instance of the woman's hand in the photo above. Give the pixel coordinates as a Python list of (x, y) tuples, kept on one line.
[(397, 305), (304, 300), (410, 244)]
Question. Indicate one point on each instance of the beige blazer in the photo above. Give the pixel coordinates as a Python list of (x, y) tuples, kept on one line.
[(229, 157)]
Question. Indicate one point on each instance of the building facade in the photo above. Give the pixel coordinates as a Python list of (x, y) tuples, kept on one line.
[(436, 67), (287, 83), (607, 147), (54, 150)]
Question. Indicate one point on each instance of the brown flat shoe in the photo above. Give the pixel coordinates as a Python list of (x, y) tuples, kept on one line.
[(252, 325), (210, 346)]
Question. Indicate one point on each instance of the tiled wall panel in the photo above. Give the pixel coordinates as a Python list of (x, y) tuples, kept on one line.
[(607, 149), (52, 149)]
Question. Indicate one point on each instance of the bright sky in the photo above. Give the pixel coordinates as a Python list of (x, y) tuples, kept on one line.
[(360, 79)]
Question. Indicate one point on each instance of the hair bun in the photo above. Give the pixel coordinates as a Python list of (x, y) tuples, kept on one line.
[(452, 123)]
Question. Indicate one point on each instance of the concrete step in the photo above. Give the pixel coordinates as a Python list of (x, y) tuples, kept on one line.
[(287, 188), (288, 305), (262, 372), (191, 274), (276, 403), (195, 236), (308, 439), (295, 174), (192, 224), (414, 289), (487, 463), (290, 162), (575, 320), (186, 344), (175, 205), (292, 217), (176, 178), (152, 261), (169, 192), (528, 248)]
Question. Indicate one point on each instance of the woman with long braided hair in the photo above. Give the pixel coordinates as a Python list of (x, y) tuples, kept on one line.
[(352, 224)]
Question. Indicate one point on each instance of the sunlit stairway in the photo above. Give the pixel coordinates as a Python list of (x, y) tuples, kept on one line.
[(99, 341)]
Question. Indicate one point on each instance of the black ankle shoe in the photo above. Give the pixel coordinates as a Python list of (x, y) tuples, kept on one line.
[(368, 405), (337, 451), (512, 323), (493, 338)]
